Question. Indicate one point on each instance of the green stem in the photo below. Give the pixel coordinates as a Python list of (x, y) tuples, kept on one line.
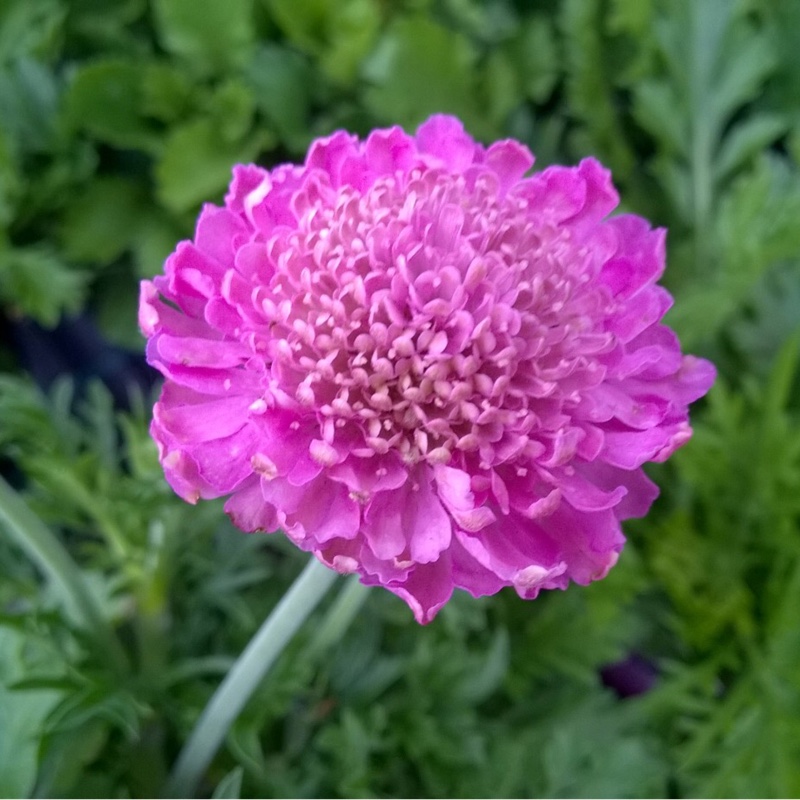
[(152, 602), (246, 675), (38, 541), (337, 620)]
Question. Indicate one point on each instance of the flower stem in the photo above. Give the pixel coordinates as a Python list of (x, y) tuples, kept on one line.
[(246, 675), (38, 541), (337, 620)]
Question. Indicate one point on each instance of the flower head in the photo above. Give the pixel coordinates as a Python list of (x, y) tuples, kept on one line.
[(422, 365)]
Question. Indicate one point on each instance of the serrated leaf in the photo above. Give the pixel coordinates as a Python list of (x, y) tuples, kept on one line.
[(479, 684), (675, 178), (535, 52), (39, 284), (745, 63), (231, 107), (157, 238), (590, 82), (110, 25), (715, 61), (195, 165), (595, 751), (28, 104), (211, 36), (105, 98), (351, 33), (783, 26), (417, 52), (658, 109), (770, 316), (745, 140), (58, 683), (281, 82), (764, 205), (303, 21), (500, 87), (102, 221), (167, 91)]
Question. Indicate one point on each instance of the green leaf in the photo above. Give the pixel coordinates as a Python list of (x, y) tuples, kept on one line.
[(212, 37), (590, 84), (36, 282), (745, 140), (29, 28), (102, 221), (196, 163), (596, 751), (303, 21), (486, 677), (746, 60), (10, 180), (351, 33), (167, 91), (28, 104), (764, 203), (339, 35), (281, 80), (487, 22), (231, 106), (630, 16), (23, 714), (536, 57), (657, 108), (157, 237), (417, 52), (783, 25), (110, 25), (769, 317), (715, 60), (115, 304), (230, 786), (500, 87), (66, 757), (106, 99)]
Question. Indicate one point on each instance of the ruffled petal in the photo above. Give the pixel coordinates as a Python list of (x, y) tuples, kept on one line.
[(427, 589), (422, 363)]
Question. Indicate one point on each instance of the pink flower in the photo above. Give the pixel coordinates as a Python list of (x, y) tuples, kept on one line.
[(422, 365)]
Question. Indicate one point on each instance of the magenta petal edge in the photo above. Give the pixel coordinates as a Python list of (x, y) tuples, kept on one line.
[(423, 362)]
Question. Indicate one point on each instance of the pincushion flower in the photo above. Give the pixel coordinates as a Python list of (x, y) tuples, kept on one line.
[(423, 364)]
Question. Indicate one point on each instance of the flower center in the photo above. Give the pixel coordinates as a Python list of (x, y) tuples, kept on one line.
[(429, 315)]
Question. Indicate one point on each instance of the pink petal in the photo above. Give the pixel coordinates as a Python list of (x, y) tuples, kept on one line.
[(454, 489), (510, 160), (219, 233), (319, 511), (444, 137), (200, 421), (411, 516), (427, 589), (388, 151), (248, 511)]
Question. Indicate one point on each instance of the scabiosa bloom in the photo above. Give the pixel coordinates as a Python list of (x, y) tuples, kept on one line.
[(422, 365)]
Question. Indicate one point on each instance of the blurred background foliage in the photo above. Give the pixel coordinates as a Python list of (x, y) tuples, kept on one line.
[(118, 118)]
